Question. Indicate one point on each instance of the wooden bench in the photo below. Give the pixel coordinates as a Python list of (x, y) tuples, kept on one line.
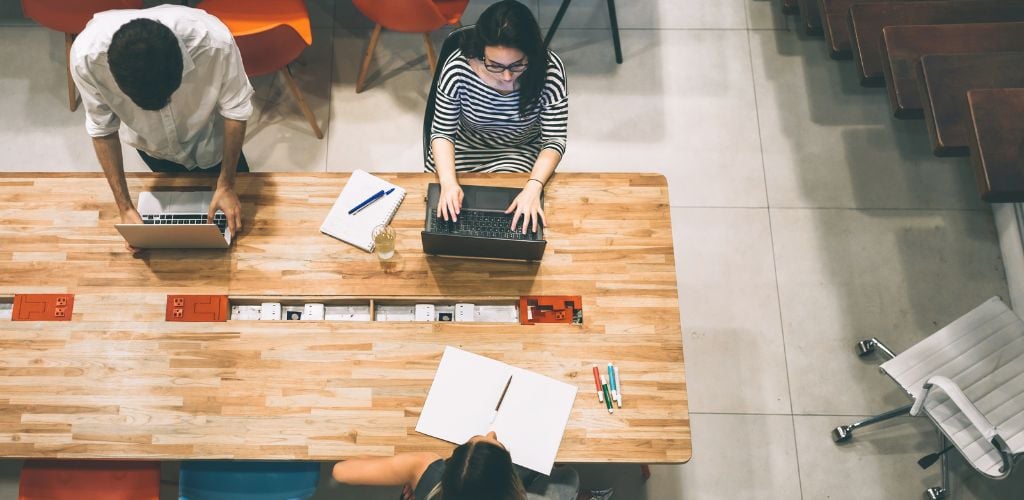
[(943, 82), (995, 131), (867, 20), (903, 46), (809, 16), (833, 20)]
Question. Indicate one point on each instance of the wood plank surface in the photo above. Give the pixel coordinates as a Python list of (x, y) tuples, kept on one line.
[(867, 20), (996, 134), (943, 84), (118, 381), (903, 47)]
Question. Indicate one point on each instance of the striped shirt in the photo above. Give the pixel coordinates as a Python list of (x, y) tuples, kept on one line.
[(485, 126)]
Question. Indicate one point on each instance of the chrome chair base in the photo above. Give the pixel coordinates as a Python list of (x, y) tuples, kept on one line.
[(844, 433)]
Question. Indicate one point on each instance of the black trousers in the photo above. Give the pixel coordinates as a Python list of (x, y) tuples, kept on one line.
[(167, 166)]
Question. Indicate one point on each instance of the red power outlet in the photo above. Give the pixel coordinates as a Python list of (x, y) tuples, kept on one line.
[(196, 308), (43, 307), (549, 309)]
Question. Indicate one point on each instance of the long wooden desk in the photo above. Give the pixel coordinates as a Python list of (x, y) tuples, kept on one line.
[(119, 381)]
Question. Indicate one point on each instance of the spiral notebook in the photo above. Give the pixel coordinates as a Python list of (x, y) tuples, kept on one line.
[(355, 229)]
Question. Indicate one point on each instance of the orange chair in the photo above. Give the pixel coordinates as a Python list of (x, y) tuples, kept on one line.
[(89, 479), (71, 18), (270, 35), (408, 16)]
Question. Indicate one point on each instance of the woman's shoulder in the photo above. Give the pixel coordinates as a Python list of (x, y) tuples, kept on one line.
[(454, 71), (556, 68)]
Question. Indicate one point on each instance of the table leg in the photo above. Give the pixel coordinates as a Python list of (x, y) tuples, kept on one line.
[(615, 31), (558, 20)]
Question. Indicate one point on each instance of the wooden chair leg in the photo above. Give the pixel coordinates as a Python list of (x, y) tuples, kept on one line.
[(431, 56), (287, 72), (72, 95), (366, 60)]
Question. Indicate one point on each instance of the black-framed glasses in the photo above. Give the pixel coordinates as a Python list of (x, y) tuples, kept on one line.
[(494, 67)]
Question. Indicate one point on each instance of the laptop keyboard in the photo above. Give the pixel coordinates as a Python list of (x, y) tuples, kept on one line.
[(480, 224), (219, 219)]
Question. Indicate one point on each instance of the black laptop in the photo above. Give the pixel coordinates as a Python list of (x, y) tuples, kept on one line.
[(483, 229)]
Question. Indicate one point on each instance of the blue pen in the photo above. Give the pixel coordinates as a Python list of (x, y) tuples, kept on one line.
[(378, 195)]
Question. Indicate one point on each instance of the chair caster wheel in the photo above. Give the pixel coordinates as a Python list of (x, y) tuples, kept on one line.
[(842, 434), (935, 493), (865, 347)]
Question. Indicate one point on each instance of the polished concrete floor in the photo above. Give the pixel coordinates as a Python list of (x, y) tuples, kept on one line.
[(804, 217)]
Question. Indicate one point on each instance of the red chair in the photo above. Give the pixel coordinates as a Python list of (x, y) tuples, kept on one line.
[(270, 35), (408, 16), (89, 480), (71, 18)]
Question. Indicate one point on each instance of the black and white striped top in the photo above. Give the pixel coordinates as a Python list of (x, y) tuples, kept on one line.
[(485, 126)]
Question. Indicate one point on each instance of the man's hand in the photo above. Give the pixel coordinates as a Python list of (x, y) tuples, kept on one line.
[(226, 200), (131, 216), (527, 206)]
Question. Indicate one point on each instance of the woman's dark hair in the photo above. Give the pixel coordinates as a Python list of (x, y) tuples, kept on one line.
[(145, 59), (480, 470), (509, 23)]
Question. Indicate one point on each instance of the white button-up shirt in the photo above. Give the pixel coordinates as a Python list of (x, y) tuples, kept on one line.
[(189, 130)]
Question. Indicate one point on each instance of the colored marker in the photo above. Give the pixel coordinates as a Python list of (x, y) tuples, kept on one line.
[(607, 397), (612, 386), (618, 387), (597, 384)]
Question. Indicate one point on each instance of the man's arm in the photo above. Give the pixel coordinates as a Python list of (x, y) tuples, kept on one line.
[(108, 152), (225, 197)]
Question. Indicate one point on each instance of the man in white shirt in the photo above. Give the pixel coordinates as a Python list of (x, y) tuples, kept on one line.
[(174, 77)]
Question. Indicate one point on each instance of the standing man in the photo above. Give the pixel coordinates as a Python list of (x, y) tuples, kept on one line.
[(174, 77)]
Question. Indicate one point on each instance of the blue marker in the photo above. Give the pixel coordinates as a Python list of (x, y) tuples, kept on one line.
[(613, 384)]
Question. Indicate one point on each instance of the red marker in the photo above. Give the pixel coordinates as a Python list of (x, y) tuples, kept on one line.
[(597, 384)]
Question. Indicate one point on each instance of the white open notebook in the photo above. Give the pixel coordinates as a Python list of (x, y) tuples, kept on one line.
[(530, 422), (357, 228)]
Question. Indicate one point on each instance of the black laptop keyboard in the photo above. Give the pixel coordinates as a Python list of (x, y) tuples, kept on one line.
[(219, 219), (480, 224)]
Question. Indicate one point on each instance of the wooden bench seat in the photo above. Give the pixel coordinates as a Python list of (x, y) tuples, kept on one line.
[(903, 47), (866, 21), (995, 130), (810, 17), (943, 82), (835, 27)]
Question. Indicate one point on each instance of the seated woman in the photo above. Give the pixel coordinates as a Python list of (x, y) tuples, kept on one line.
[(479, 469), (502, 106)]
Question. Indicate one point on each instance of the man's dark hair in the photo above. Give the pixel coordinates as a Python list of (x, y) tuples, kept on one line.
[(145, 59)]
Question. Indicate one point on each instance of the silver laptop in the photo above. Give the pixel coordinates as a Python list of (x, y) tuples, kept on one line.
[(176, 219)]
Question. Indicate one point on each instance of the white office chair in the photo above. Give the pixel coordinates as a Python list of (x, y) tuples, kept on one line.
[(968, 378)]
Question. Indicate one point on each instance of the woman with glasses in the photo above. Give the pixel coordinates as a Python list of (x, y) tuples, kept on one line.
[(479, 469), (502, 106)]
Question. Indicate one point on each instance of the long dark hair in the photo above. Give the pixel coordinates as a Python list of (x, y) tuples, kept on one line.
[(509, 23), (478, 470)]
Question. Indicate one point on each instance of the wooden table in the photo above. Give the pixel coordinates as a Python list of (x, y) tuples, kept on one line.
[(119, 381)]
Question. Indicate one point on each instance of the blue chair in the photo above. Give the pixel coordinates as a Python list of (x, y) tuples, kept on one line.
[(230, 480)]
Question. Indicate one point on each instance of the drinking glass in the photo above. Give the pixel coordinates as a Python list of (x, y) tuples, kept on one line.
[(384, 241)]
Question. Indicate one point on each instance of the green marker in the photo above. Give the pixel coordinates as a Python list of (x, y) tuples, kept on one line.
[(607, 397)]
